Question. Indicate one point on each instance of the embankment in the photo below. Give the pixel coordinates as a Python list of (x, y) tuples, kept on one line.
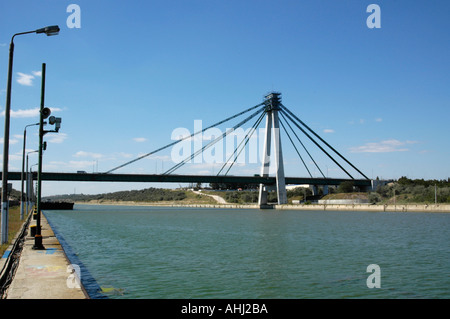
[(439, 208)]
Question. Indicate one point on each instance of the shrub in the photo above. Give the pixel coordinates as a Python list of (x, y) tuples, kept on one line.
[(345, 187)]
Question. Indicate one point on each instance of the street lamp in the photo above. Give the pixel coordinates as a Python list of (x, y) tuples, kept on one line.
[(23, 168), (50, 30), (44, 113), (32, 191), (28, 182)]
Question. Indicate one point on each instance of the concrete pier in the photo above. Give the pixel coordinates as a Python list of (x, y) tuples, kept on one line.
[(43, 274)]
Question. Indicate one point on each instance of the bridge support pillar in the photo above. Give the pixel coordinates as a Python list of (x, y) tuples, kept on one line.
[(272, 125), (315, 190), (262, 200)]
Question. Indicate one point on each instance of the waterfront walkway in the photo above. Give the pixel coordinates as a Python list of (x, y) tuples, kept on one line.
[(43, 274)]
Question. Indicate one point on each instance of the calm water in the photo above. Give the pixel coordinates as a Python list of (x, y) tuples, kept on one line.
[(164, 252)]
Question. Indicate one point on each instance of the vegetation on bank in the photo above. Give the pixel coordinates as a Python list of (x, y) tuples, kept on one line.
[(143, 195), (14, 225), (148, 195), (402, 191), (354, 195), (407, 191)]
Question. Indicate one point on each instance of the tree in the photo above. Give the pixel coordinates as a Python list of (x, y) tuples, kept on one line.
[(345, 187)]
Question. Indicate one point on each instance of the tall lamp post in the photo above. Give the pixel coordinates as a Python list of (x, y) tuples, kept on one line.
[(38, 236), (32, 187), (23, 171), (50, 30), (44, 113), (29, 185)]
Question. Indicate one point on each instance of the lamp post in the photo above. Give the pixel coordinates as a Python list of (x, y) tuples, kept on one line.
[(38, 237), (28, 182), (32, 189), (43, 114), (50, 30), (23, 173)]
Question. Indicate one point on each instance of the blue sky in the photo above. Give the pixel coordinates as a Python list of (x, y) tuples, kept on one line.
[(135, 71)]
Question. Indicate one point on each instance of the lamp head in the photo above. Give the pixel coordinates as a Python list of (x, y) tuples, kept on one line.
[(50, 30)]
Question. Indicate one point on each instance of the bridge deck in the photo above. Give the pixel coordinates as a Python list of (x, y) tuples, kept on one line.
[(155, 178)]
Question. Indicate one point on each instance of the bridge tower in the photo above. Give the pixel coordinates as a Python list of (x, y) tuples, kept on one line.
[(272, 105)]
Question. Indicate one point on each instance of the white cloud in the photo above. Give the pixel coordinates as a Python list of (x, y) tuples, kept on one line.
[(80, 164), (67, 166), (54, 109), (386, 146), (328, 130), (165, 158), (3, 44), (11, 141), (24, 113), (360, 121), (88, 154), (125, 155), (57, 138), (379, 119), (14, 157), (25, 79), (139, 139), (34, 112)]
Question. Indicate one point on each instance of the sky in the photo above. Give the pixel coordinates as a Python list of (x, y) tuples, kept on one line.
[(126, 76)]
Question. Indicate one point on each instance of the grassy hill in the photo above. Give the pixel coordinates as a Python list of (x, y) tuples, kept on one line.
[(148, 195)]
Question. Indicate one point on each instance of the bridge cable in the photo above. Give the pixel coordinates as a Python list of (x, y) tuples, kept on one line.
[(184, 138), (317, 144), (286, 109), (292, 142), (246, 138), (171, 170), (304, 147), (259, 121)]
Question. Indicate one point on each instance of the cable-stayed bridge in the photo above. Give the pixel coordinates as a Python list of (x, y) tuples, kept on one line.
[(277, 118)]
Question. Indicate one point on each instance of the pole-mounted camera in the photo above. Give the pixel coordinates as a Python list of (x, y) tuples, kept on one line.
[(56, 121), (51, 120)]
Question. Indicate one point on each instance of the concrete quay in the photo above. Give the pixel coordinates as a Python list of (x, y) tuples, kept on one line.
[(419, 208), (42, 274)]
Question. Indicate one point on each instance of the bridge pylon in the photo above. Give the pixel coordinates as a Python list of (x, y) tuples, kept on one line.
[(272, 106)]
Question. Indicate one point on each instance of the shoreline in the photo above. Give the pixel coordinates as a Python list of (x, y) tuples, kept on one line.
[(423, 208)]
